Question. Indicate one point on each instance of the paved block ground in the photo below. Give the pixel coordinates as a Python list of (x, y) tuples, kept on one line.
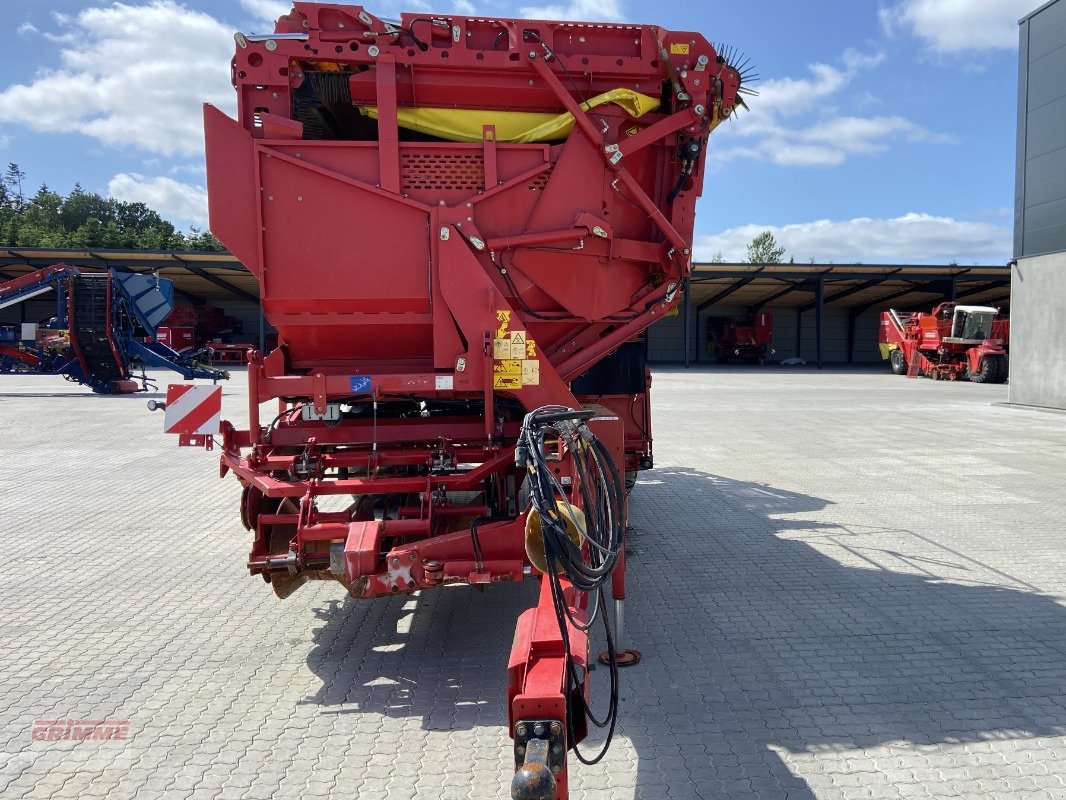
[(846, 585)]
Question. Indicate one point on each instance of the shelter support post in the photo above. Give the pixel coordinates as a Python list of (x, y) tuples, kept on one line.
[(819, 304), (687, 320), (853, 319)]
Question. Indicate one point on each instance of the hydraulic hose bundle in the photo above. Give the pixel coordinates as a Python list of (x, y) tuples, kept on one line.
[(582, 546)]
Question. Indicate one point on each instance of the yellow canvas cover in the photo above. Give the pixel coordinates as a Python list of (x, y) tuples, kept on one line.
[(466, 125)]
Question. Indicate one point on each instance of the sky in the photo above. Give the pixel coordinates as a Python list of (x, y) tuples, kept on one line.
[(884, 131)]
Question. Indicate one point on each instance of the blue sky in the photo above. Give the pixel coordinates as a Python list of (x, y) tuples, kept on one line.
[(884, 132)]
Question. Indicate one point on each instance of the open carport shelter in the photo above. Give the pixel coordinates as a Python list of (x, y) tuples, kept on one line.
[(824, 313), (200, 278)]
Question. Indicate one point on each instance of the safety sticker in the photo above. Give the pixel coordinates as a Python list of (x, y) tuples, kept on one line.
[(679, 49), (507, 374), (360, 384), (514, 356), (503, 322), (518, 345), (530, 372)]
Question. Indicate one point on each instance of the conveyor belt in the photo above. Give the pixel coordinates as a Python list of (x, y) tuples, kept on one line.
[(89, 328)]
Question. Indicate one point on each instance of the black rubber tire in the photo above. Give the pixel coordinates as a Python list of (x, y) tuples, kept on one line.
[(989, 371), (1001, 369), (898, 362)]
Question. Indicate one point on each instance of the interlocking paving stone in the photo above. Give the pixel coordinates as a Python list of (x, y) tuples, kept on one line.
[(845, 585)]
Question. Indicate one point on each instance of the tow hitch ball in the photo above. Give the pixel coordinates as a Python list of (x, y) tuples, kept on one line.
[(539, 754)]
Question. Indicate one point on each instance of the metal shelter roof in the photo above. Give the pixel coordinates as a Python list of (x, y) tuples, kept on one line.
[(199, 277), (203, 277), (857, 287)]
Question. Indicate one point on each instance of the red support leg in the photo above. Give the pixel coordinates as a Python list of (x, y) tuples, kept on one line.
[(624, 656)]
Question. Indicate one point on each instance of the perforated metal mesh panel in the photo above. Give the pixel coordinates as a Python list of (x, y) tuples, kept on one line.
[(539, 182), (451, 171)]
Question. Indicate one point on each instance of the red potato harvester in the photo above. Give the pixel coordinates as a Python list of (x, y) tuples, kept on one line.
[(953, 342), (461, 226)]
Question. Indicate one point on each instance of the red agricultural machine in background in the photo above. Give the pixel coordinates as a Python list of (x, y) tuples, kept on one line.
[(194, 327), (211, 330), (744, 338), (1001, 330), (461, 226), (954, 342)]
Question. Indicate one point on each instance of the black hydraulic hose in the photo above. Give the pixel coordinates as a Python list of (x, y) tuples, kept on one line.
[(479, 558), (599, 486)]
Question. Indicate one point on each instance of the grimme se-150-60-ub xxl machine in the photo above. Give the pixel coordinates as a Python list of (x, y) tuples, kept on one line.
[(461, 226)]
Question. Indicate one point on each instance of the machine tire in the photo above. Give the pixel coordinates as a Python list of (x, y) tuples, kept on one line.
[(897, 361), (990, 370), (1001, 369)]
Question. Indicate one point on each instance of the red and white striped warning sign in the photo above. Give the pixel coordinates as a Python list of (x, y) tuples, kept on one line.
[(193, 409)]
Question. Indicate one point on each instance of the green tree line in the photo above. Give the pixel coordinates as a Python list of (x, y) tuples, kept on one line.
[(86, 220)]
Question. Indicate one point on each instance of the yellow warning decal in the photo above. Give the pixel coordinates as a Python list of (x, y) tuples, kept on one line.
[(518, 345), (530, 372), (514, 356), (679, 49), (507, 374), (503, 322)]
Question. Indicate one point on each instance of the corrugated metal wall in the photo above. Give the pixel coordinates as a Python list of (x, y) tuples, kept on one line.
[(666, 339), (1040, 207)]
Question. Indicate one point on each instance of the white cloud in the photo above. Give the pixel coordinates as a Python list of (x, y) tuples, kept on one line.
[(767, 132), (171, 198), (130, 80), (194, 168), (913, 238), (267, 10), (955, 26), (580, 10), (26, 28), (796, 95)]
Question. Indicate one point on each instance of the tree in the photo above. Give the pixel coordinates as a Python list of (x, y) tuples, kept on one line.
[(765, 250), (12, 179), (86, 220), (718, 257)]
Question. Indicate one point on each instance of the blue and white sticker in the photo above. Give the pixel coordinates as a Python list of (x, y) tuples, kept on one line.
[(360, 384)]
